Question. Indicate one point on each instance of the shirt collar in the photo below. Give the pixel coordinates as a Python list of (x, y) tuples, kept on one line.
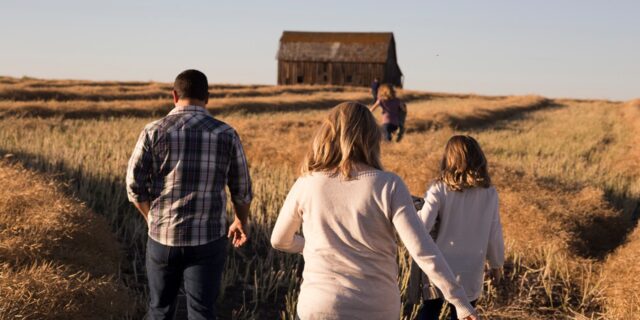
[(189, 108)]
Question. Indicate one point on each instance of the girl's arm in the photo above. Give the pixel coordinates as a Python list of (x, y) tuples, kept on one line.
[(495, 249), (425, 252), (431, 207), (375, 105), (289, 220)]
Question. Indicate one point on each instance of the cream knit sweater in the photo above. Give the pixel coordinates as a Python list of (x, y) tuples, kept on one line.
[(469, 232), (350, 248)]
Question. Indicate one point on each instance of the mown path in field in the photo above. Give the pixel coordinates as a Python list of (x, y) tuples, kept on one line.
[(575, 153)]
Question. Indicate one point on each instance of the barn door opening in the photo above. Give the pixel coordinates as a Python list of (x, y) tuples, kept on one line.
[(323, 73)]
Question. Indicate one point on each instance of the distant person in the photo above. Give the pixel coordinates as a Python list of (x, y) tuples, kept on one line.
[(348, 208), (394, 112), (176, 178), (375, 85), (462, 204)]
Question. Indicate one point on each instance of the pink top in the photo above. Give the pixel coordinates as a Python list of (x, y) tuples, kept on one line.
[(390, 110)]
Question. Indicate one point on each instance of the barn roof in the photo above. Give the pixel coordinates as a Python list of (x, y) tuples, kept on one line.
[(335, 46)]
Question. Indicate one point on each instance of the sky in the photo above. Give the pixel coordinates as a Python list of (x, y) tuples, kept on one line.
[(559, 48)]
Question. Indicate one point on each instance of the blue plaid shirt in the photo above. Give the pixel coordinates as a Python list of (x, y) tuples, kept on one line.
[(181, 164)]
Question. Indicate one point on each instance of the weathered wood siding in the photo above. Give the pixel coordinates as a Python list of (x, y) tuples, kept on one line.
[(335, 73)]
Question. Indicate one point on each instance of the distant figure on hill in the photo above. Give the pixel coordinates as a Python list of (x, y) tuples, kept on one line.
[(374, 88), (176, 177), (349, 209), (461, 208), (394, 112)]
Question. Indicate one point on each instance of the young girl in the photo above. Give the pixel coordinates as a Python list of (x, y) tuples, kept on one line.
[(463, 205)]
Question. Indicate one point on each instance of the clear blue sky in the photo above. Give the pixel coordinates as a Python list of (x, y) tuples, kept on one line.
[(561, 48)]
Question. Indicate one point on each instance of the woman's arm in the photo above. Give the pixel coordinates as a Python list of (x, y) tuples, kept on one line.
[(425, 252), (284, 235)]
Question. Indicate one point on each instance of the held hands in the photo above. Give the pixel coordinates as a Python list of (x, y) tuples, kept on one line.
[(237, 234), (496, 275)]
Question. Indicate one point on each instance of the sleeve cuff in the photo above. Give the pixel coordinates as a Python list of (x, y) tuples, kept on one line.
[(137, 198), (242, 200), (464, 309)]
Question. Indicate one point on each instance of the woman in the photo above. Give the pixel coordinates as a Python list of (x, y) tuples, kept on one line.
[(348, 209), (394, 112)]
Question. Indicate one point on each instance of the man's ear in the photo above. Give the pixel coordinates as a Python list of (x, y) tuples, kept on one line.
[(175, 95)]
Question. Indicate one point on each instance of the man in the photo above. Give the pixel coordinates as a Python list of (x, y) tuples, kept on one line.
[(374, 88), (176, 178)]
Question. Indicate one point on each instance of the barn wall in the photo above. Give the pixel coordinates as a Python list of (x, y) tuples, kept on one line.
[(393, 74), (336, 73)]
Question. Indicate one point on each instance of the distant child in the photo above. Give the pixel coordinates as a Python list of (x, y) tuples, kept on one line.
[(463, 206), (394, 112)]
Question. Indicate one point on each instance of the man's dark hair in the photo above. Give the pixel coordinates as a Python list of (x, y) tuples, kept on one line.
[(192, 84)]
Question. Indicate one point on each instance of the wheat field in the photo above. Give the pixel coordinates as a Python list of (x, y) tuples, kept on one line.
[(567, 172)]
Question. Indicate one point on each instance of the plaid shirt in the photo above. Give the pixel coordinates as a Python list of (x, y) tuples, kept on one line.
[(181, 164)]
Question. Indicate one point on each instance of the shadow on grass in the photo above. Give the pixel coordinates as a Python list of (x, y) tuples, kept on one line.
[(44, 94), (602, 227), (38, 109), (479, 119)]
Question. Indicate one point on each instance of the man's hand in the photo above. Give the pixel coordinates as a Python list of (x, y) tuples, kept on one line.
[(237, 235), (144, 208), (472, 317)]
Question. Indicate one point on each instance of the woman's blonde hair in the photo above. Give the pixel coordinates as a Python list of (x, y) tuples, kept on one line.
[(464, 165), (386, 92), (348, 135)]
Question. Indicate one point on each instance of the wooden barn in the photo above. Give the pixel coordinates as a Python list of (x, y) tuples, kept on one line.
[(338, 58)]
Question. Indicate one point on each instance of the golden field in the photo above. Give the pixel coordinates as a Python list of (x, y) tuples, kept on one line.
[(58, 259), (566, 172)]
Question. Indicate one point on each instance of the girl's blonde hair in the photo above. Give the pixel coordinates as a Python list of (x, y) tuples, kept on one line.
[(386, 92), (464, 165), (348, 135)]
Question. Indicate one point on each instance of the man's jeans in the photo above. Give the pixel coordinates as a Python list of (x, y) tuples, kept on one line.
[(199, 266)]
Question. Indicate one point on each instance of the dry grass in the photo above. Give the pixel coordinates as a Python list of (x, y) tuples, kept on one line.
[(565, 198), (59, 260), (621, 279), (623, 266), (82, 99)]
